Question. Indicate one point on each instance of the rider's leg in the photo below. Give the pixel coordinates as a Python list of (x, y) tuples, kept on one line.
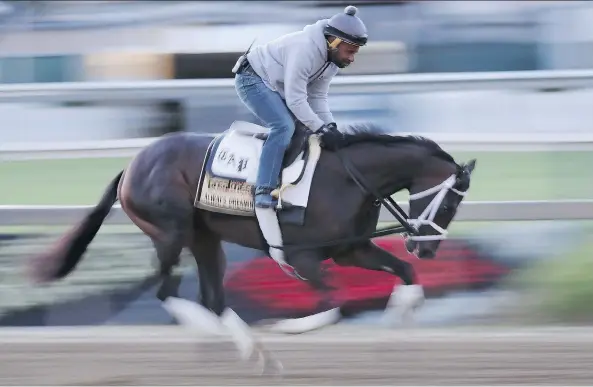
[(269, 107)]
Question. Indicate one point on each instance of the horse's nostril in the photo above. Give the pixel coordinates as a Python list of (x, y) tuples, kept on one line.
[(426, 254), (411, 245)]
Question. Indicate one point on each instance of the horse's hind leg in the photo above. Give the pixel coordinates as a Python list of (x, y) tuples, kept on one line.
[(168, 257), (168, 249), (207, 250), (211, 260), (170, 216)]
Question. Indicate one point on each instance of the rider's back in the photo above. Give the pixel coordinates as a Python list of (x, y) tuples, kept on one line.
[(307, 47)]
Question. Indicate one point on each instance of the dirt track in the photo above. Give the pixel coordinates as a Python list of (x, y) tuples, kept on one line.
[(338, 356)]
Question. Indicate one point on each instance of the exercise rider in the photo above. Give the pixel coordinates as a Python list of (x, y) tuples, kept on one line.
[(291, 74)]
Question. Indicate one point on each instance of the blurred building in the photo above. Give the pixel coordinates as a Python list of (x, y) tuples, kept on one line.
[(45, 41), (56, 41), (64, 41)]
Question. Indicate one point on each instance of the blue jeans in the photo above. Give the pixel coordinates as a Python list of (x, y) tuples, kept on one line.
[(270, 108)]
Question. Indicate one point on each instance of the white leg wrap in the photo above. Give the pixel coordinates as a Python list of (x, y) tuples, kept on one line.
[(197, 318), (193, 316), (309, 323), (403, 301), (240, 333)]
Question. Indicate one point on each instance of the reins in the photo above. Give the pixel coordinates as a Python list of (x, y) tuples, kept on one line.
[(388, 202)]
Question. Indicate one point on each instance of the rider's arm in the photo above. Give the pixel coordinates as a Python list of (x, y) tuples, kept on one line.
[(318, 99), (296, 76)]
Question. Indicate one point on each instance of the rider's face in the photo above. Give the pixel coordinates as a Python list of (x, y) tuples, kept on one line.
[(344, 56)]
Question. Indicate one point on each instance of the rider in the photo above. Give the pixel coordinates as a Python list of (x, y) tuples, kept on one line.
[(290, 76)]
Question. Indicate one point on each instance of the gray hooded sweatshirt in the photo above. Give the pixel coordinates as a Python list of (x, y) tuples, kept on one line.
[(296, 66)]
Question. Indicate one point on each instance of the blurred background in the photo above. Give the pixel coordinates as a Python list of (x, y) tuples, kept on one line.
[(85, 84)]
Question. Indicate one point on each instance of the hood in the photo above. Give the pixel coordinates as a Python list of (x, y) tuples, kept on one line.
[(315, 32)]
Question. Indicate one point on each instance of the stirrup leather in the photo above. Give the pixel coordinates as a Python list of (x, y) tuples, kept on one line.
[(277, 194)]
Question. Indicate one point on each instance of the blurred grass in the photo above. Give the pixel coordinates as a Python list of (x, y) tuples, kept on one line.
[(559, 289), (498, 176), (527, 175), (73, 181)]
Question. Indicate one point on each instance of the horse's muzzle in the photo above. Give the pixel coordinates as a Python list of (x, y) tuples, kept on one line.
[(426, 253), (411, 245)]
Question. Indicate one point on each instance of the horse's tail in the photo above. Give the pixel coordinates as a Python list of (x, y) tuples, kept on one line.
[(63, 257)]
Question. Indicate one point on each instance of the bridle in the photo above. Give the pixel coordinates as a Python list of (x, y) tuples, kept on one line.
[(407, 226), (426, 218)]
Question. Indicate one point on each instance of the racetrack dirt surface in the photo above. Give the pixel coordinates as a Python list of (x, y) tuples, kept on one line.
[(350, 355)]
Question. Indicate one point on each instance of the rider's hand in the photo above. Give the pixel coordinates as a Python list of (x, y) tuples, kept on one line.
[(330, 137)]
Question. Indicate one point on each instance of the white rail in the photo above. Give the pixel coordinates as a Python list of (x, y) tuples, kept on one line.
[(393, 83), (469, 211), (207, 89)]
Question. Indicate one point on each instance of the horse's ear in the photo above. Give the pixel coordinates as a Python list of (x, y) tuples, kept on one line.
[(470, 165)]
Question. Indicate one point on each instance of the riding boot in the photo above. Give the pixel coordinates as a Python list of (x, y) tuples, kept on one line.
[(264, 198)]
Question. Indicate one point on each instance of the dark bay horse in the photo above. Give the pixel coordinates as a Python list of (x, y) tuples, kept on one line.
[(158, 187)]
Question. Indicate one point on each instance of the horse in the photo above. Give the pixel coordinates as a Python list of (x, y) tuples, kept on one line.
[(174, 191)]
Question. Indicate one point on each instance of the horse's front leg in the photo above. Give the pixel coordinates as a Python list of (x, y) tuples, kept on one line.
[(307, 266), (405, 298)]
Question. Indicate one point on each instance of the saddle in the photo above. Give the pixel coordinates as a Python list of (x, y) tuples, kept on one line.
[(298, 142), (230, 168)]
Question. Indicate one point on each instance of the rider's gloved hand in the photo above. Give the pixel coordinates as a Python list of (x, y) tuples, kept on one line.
[(330, 137)]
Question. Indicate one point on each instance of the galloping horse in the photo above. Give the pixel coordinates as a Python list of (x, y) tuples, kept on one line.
[(187, 190)]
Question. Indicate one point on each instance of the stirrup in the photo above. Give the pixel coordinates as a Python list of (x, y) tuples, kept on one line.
[(266, 192), (277, 194), (263, 190)]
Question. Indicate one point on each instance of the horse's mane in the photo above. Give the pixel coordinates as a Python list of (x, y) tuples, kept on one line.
[(369, 132)]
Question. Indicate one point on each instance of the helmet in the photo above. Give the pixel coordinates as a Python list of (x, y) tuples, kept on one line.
[(347, 27)]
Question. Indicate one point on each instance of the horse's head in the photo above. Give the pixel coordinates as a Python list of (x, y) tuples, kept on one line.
[(437, 184), (433, 204)]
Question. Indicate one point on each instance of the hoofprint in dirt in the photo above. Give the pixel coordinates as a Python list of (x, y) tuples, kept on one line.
[(340, 355)]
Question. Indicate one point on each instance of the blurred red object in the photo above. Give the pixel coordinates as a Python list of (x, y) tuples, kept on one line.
[(456, 267)]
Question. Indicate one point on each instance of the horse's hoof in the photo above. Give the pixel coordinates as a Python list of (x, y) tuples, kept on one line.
[(267, 366), (274, 368), (404, 300)]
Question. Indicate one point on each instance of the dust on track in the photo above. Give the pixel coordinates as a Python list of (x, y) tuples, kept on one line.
[(341, 355)]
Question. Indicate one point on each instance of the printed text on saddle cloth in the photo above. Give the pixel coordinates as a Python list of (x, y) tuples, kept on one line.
[(237, 157), (230, 173), (228, 157)]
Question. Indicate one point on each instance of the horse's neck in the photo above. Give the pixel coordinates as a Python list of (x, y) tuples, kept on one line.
[(389, 168)]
